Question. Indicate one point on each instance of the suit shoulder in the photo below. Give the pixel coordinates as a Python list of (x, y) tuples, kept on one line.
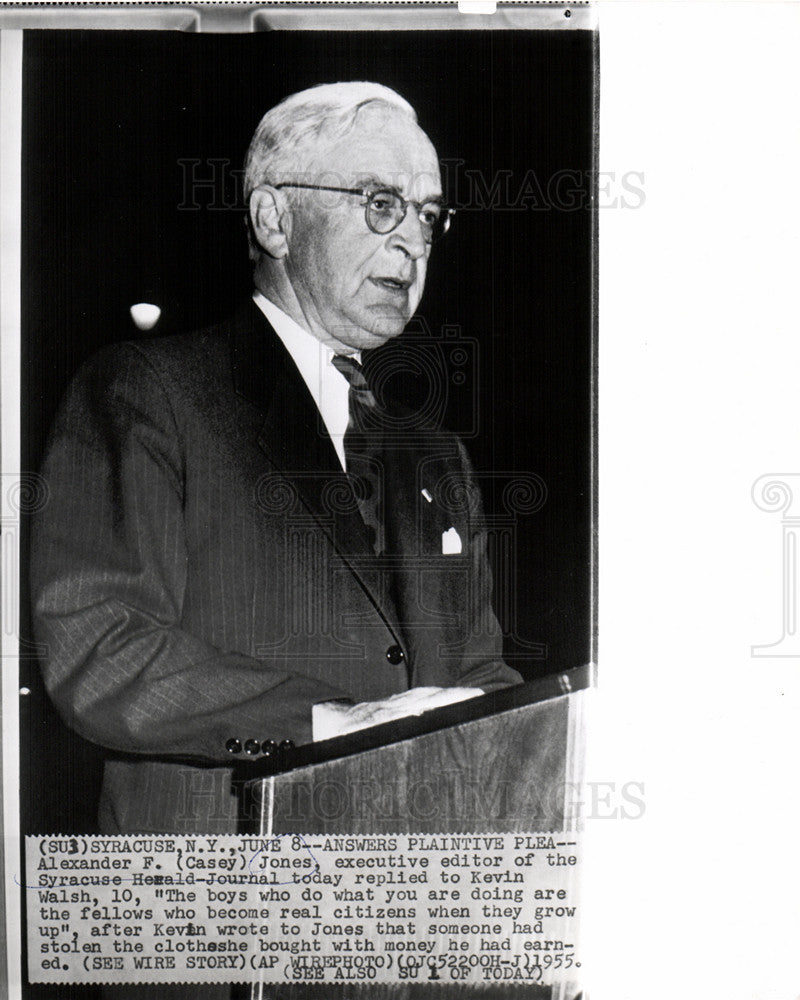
[(177, 352), (174, 359)]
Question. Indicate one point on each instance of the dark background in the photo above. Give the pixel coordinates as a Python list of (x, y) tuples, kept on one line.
[(109, 219)]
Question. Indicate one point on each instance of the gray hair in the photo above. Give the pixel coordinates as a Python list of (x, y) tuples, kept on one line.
[(285, 137)]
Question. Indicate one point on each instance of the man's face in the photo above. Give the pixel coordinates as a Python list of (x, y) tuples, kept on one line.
[(352, 284)]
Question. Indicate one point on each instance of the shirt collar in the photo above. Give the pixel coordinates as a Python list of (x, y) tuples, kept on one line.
[(292, 334), (328, 387)]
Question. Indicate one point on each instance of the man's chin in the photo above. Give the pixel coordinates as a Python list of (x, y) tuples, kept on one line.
[(377, 331)]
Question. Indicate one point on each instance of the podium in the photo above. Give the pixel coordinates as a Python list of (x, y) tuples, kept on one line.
[(505, 762)]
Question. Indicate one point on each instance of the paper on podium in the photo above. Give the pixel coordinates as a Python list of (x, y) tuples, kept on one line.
[(335, 718)]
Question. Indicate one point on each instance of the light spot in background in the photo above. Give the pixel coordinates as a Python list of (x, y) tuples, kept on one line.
[(145, 315)]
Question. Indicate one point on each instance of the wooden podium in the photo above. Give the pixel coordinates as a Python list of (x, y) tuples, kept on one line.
[(504, 762)]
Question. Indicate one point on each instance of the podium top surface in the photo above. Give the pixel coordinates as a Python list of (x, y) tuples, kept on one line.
[(399, 730)]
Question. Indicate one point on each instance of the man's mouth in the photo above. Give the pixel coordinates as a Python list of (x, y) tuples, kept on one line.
[(392, 284)]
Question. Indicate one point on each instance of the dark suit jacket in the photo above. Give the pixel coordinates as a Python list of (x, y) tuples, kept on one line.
[(201, 570)]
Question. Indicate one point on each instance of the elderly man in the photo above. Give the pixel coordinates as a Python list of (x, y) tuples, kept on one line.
[(240, 534)]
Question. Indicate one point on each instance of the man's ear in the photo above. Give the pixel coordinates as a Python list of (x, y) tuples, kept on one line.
[(268, 217)]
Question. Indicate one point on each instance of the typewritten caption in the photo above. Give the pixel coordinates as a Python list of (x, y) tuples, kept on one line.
[(475, 908)]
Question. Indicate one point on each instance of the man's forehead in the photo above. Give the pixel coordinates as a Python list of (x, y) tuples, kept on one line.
[(396, 153)]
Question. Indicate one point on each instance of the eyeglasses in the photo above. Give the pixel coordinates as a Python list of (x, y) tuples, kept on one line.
[(385, 210)]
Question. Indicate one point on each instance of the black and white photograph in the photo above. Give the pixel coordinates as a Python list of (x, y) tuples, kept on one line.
[(399, 520), (307, 548)]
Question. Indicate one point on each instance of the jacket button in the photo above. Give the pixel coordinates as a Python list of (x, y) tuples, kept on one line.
[(252, 747), (233, 746), (286, 745), (268, 748), (395, 655)]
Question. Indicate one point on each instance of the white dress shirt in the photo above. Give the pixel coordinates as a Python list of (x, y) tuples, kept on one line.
[(328, 387)]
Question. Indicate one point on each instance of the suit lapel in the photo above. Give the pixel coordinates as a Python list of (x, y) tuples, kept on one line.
[(296, 442)]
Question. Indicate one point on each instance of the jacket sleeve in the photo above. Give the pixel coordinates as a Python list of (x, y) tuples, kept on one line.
[(108, 574)]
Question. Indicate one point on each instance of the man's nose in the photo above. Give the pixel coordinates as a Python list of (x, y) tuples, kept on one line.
[(409, 236)]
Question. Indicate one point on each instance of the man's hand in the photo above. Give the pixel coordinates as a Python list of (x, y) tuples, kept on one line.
[(330, 718)]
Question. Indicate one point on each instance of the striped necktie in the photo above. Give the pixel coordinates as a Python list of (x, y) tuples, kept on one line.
[(360, 455)]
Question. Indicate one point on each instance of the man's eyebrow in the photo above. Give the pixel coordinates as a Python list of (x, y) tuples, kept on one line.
[(376, 184), (373, 181)]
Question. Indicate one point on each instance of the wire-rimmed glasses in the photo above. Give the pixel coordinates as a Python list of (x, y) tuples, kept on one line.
[(385, 209)]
